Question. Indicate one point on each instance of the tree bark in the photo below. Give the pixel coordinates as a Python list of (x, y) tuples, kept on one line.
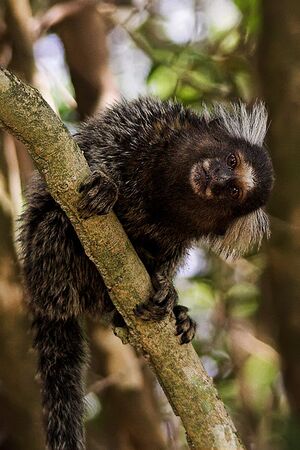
[(84, 39), (20, 424), (18, 39), (129, 417), (189, 389), (279, 56), (19, 411)]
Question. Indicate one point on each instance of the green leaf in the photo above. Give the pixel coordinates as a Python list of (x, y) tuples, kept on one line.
[(188, 94), (162, 81), (243, 299), (259, 375)]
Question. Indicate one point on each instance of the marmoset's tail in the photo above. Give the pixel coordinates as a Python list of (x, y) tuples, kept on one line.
[(61, 359)]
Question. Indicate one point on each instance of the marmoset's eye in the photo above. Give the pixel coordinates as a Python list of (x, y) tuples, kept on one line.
[(231, 161), (234, 192)]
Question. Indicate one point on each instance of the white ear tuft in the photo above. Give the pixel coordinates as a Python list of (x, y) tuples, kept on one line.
[(240, 122)]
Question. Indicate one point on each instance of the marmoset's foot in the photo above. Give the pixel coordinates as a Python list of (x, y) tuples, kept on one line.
[(161, 303), (185, 326)]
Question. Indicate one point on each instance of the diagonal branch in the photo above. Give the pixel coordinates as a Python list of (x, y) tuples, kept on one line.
[(190, 391)]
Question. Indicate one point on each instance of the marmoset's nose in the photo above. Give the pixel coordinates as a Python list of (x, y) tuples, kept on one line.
[(220, 176)]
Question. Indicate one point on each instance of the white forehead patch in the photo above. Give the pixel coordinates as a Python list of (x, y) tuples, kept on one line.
[(206, 164), (247, 176)]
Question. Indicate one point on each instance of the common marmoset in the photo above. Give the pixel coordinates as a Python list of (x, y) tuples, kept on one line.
[(173, 177)]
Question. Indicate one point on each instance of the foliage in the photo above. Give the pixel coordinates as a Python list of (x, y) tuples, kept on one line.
[(225, 301), (250, 10), (216, 66)]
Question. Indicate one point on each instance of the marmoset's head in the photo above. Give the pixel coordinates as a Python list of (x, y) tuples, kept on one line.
[(233, 176)]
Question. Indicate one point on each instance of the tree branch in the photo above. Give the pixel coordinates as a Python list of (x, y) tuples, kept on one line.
[(190, 391)]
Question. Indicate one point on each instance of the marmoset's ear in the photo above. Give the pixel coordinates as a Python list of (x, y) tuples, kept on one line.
[(244, 234), (241, 122)]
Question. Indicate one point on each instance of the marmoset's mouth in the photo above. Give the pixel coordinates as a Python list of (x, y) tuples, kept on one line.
[(206, 177), (200, 179)]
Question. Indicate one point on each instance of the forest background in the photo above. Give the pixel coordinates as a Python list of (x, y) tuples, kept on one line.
[(84, 54)]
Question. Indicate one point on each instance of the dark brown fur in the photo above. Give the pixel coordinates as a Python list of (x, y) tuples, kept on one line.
[(140, 155)]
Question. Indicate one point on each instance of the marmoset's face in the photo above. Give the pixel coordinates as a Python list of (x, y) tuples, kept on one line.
[(237, 176)]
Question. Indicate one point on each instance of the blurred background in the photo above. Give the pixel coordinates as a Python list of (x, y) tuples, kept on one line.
[(85, 54)]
